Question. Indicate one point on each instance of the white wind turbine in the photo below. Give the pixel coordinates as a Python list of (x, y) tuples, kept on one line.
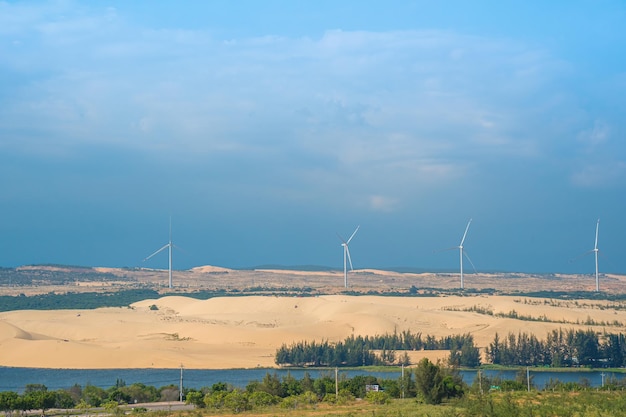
[(462, 252), (346, 255), (169, 245), (596, 252)]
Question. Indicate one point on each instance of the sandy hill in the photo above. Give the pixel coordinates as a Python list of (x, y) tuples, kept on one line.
[(246, 331)]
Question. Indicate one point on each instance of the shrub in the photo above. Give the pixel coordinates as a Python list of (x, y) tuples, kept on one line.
[(237, 401), (377, 397), (262, 399)]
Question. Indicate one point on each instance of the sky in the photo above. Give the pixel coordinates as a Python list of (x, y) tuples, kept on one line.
[(266, 129)]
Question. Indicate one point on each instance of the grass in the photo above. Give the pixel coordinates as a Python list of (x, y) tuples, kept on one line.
[(543, 403), (397, 408)]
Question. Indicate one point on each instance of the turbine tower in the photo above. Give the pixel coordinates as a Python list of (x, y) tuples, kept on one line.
[(595, 251), (169, 245), (346, 255)]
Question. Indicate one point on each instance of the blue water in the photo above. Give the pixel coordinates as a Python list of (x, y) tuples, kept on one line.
[(539, 379), (16, 379)]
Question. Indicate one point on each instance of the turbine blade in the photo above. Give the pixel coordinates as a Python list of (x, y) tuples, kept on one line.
[(446, 249), (145, 259), (353, 233), (349, 259), (582, 255), (179, 248), (470, 261), (340, 238), (597, 227), (465, 234)]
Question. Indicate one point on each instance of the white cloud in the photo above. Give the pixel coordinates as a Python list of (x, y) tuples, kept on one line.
[(596, 135), (361, 111), (602, 175), (383, 203)]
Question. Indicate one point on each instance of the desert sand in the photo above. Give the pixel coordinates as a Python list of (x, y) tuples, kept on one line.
[(244, 332)]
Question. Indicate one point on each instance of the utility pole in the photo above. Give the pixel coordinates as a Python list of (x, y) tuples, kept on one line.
[(402, 380), (181, 383), (336, 383), (528, 378)]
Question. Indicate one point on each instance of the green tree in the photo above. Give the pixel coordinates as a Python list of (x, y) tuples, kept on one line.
[(262, 399), (237, 401), (35, 388), (93, 395), (63, 399), (272, 385), (140, 393), (324, 385), (356, 385), (290, 386), (8, 401), (118, 395), (434, 383), (215, 400), (40, 400), (196, 398)]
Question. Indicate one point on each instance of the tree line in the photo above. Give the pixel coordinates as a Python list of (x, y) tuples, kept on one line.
[(359, 350), (430, 383), (560, 348), (38, 397)]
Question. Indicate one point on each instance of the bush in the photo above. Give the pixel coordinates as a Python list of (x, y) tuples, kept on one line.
[(215, 399), (377, 397), (237, 401), (262, 399), (306, 399)]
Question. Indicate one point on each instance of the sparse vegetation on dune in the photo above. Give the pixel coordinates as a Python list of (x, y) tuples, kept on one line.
[(41, 279)]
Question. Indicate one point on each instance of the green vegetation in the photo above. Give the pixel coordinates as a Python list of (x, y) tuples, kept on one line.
[(513, 314), (56, 275), (38, 397), (357, 351), (561, 348), (427, 390), (88, 300)]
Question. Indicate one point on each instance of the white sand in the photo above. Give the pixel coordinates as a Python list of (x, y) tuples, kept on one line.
[(234, 332)]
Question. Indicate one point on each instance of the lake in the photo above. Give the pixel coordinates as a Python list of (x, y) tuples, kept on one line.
[(15, 379)]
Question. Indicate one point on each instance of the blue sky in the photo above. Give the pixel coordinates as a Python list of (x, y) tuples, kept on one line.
[(265, 128)]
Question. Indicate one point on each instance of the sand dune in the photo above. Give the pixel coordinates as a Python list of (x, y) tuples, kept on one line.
[(233, 332), (208, 269)]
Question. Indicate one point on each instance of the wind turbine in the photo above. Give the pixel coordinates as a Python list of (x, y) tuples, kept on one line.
[(346, 255), (169, 245), (595, 251), (462, 252)]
